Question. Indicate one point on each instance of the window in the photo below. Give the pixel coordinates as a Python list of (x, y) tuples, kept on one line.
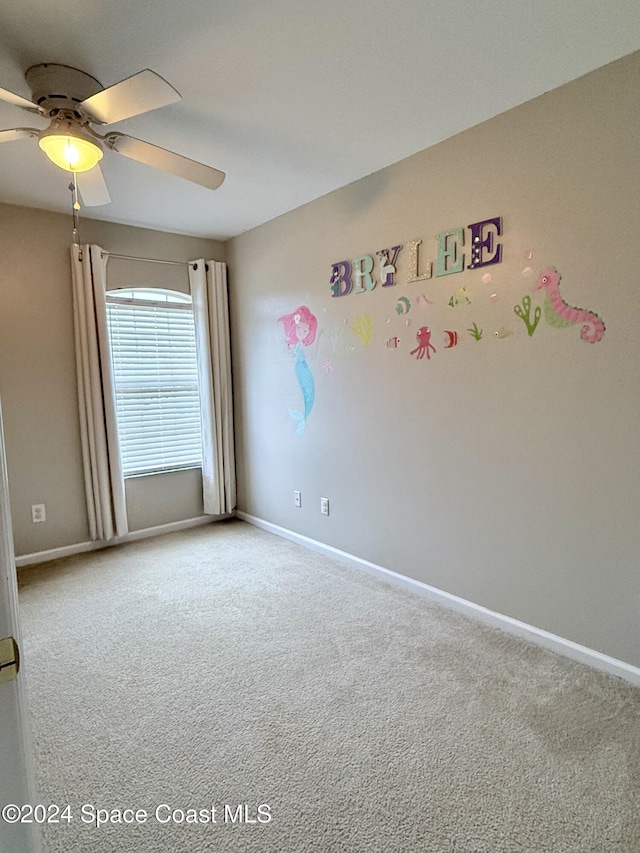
[(153, 349)]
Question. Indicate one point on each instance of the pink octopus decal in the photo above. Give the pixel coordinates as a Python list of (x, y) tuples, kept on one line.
[(424, 343)]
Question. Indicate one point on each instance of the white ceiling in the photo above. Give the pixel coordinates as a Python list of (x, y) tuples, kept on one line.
[(291, 98)]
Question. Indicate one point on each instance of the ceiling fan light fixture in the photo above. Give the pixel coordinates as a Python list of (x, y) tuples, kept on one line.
[(69, 150)]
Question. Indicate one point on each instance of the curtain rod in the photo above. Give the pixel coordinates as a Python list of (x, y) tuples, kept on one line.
[(151, 260)]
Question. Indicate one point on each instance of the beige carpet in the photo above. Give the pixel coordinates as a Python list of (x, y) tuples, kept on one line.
[(225, 666)]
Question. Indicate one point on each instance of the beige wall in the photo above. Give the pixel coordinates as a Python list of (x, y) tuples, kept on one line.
[(503, 470), (38, 379)]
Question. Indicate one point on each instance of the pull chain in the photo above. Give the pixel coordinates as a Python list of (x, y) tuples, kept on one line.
[(75, 206)]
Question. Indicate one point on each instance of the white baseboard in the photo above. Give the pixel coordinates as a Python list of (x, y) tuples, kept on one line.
[(84, 547), (568, 648)]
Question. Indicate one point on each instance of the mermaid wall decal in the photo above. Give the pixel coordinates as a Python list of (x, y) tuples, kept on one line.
[(300, 331)]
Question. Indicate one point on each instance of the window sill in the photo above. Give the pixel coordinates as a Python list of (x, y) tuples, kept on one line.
[(162, 471)]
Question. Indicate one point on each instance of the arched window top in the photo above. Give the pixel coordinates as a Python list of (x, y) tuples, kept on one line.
[(149, 296)]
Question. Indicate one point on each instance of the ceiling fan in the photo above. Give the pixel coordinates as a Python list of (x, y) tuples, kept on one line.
[(73, 101)]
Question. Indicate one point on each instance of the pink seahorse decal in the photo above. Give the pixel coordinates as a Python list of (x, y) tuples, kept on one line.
[(593, 328)]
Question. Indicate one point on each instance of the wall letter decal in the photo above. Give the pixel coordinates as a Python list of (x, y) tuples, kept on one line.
[(449, 259), (388, 258), (413, 263), (341, 275), (480, 243), (362, 269)]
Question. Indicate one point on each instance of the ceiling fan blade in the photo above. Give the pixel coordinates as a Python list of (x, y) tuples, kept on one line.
[(18, 133), (93, 188), (167, 161), (139, 94), (18, 100)]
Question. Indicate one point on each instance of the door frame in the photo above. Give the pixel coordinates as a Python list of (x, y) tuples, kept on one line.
[(17, 781)]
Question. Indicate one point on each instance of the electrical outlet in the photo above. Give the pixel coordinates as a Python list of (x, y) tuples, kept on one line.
[(324, 506), (297, 498), (38, 513)]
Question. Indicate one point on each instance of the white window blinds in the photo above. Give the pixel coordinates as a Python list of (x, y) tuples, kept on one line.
[(153, 349)]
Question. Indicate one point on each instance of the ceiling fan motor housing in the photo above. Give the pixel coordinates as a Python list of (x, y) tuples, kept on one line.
[(59, 87)]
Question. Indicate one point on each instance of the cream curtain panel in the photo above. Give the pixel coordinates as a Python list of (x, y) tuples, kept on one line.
[(208, 281), (104, 483)]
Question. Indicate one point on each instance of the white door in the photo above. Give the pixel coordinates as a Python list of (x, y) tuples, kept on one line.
[(16, 757)]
